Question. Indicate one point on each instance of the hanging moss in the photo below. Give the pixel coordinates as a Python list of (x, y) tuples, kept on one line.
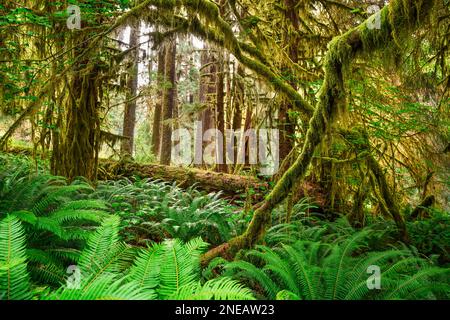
[(77, 153), (223, 35), (341, 51)]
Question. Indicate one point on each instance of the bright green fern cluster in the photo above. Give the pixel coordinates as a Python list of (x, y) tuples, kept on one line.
[(155, 210), (339, 270), (57, 217), (110, 269)]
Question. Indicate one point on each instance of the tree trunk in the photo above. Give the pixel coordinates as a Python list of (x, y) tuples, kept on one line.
[(238, 102), (169, 102), (286, 124), (206, 95), (388, 197), (79, 140), (156, 132), (129, 116), (287, 130), (220, 112)]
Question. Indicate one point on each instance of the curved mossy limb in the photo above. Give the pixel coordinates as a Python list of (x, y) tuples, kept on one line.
[(379, 184), (397, 19), (421, 211), (206, 13), (387, 196)]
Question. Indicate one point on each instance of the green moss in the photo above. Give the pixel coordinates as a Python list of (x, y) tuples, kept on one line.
[(358, 41)]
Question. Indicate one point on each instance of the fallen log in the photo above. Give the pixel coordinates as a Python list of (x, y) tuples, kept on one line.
[(230, 185)]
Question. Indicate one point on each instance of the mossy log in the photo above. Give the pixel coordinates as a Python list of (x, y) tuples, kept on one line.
[(230, 185)]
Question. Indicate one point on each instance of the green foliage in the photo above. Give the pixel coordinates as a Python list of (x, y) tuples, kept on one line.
[(110, 269), (102, 264), (154, 210), (57, 217), (14, 278), (172, 270), (394, 80), (105, 288), (338, 270), (104, 252), (49, 225), (216, 289), (431, 236), (303, 222)]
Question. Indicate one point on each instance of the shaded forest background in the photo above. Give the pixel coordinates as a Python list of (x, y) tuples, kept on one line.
[(360, 97)]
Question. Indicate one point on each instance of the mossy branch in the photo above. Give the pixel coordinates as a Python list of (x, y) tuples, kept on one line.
[(57, 77), (223, 36), (397, 19)]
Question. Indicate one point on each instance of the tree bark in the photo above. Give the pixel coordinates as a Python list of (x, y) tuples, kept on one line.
[(156, 130), (388, 197), (220, 112), (238, 103), (129, 116), (206, 94), (287, 130), (286, 124), (169, 102), (79, 141)]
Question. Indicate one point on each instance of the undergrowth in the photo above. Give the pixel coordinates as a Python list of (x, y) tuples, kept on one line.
[(143, 240)]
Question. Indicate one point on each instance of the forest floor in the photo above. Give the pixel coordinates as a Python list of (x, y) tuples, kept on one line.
[(126, 226)]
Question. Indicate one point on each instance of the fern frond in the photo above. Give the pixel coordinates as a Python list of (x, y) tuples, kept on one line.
[(68, 254), (85, 204), (279, 265), (306, 273), (208, 272), (337, 262), (147, 267), (249, 271), (56, 196), (14, 277), (287, 295), (107, 287), (45, 268), (100, 244), (417, 281), (180, 267), (25, 216), (69, 215), (216, 289)]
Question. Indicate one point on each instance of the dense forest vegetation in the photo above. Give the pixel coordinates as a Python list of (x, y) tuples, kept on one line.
[(224, 149)]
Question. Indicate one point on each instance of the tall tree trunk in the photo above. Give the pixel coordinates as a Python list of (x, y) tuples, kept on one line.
[(79, 139), (77, 153), (220, 113), (238, 103), (287, 130), (220, 104), (206, 93), (169, 102), (243, 149), (156, 132), (129, 116)]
